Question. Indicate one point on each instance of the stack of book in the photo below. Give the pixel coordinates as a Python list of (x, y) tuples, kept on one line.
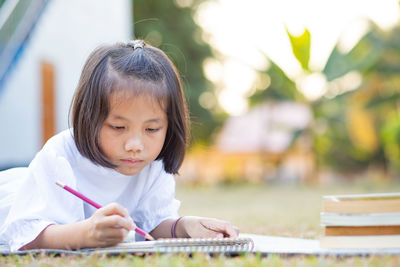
[(361, 221)]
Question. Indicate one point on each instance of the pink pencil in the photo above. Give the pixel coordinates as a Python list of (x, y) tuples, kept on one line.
[(97, 206)]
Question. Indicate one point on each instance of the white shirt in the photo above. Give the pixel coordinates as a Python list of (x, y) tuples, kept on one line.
[(149, 195)]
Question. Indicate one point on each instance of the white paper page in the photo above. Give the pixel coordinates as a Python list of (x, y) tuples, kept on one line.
[(289, 245), (277, 244)]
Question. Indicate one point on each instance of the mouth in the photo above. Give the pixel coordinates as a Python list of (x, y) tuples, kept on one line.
[(132, 161)]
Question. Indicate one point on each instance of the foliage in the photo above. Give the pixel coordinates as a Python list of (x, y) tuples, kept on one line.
[(364, 55), (279, 88), (391, 136), (301, 47), (332, 144), (352, 129), (171, 27), (371, 111)]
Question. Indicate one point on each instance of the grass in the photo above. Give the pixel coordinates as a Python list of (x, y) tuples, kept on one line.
[(284, 210), (198, 260)]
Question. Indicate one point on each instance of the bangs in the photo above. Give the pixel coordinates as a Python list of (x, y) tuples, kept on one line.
[(131, 87)]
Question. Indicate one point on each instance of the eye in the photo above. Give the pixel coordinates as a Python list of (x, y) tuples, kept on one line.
[(152, 130), (118, 128)]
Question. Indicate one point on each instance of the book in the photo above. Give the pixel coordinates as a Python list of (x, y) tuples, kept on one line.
[(361, 242), (181, 245), (361, 221), (362, 230), (366, 219), (362, 203)]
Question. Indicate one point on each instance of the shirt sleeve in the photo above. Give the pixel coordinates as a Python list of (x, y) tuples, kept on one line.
[(40, 202), (158, 201), (10, 181)]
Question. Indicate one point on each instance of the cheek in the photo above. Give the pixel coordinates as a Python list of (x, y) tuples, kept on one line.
[(106, 142), (162, 140), (155, 143)]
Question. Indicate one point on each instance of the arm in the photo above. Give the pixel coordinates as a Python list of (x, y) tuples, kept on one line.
[(108, 226), (195, 227), (68, 236)]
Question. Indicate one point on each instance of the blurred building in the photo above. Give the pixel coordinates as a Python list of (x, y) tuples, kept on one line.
[(43, 46), (257, 146), (268, 127)]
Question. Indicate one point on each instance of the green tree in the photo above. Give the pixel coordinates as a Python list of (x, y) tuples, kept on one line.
[(170, 26), (373, 109), (351, 129)]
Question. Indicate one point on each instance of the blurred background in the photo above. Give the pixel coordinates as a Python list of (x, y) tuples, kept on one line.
[(304, 92)]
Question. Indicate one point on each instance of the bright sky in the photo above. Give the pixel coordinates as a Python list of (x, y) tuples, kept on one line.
[(238, 30)]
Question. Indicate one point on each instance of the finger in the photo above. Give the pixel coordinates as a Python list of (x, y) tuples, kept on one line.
[(114, 235), (132, 224), (115, 208), (236, 230), (231, 231), (204, 232), (226, 228), (117, 221)]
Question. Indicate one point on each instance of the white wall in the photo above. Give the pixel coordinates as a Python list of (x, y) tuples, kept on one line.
[(65, 35)]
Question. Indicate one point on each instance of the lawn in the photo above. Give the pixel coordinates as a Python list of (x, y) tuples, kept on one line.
[(284, 210)]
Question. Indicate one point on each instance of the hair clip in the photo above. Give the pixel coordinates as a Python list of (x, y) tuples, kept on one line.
[(136, 44)]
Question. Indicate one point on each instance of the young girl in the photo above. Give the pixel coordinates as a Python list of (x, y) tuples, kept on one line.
[(129, 136)]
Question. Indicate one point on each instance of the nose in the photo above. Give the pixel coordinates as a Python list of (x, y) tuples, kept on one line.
[(134, 144)]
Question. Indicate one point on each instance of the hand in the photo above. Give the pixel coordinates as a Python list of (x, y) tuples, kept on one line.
[(198, 227), (108, 226)]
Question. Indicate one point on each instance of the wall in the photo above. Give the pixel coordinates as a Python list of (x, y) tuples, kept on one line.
[(65, 35)]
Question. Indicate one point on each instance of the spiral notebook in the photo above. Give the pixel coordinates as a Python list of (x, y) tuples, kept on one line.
[(179, 245)]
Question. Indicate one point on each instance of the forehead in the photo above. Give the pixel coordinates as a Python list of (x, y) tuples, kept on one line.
[(136, 109)]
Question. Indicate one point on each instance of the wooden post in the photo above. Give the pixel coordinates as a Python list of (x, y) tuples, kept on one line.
[(48, 107)]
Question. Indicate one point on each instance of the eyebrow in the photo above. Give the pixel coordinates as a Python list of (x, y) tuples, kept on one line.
[(154, 120), (118, 117)]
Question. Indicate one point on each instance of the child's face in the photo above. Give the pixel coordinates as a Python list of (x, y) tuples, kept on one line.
[(133, 133)]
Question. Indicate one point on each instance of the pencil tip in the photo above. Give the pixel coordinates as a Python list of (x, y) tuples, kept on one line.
[(149, 237), (60, 184)]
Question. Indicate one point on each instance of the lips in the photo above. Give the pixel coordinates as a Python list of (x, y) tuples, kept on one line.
[(132, 161)]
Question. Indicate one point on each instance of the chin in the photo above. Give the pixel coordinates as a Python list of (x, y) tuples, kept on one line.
[(128, 172)]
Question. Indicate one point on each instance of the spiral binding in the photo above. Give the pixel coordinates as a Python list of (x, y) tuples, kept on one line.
[(181, 245), (209, 245)]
